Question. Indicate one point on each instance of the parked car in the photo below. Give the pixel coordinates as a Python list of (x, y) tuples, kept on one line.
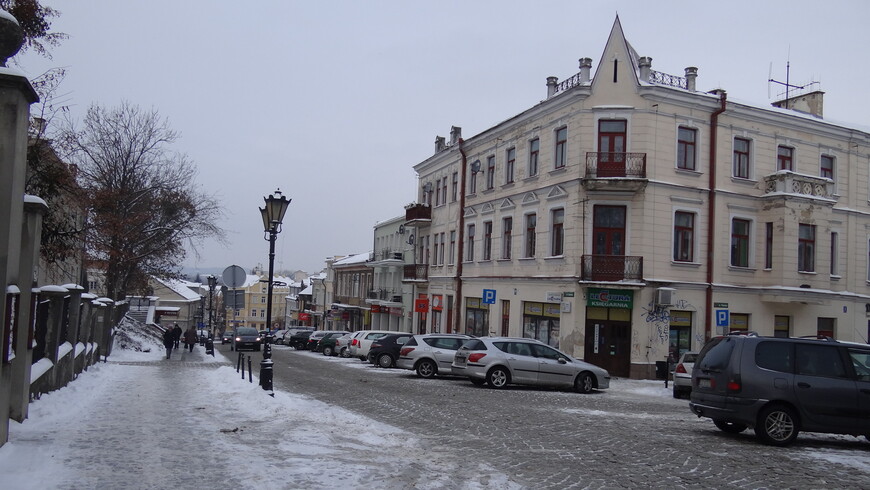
[(342, 345), (499, 361), (298, 340), (683, 374), (362, 342), (781, 386), (285, 337), (227, 337), (326, 344), (246, 338), (385, 350), (430, 354), (277, 336)]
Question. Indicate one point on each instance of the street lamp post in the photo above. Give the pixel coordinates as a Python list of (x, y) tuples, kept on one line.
[(212, 282), (273, 216)]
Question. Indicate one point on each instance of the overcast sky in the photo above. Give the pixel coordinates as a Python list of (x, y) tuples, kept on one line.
[(334, 102)]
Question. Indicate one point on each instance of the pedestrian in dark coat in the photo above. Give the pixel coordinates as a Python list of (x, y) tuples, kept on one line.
[(176, 331), (190, 338), (168, 341)]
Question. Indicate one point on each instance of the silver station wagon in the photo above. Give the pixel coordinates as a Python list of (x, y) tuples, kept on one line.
[(500, 361)]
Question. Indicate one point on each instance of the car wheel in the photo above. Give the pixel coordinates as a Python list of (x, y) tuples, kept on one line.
[(327, 351), (729, 427), (477, 382), (498, 377), (426, 369), (343, 352), (584, 383), (385, 361), (777, 425)]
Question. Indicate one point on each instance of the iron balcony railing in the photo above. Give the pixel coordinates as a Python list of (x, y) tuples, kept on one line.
[(386, 254), (416, 272), (602, 165), (611, 268)]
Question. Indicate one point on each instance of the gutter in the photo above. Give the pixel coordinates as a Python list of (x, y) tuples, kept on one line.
[(457, 307), (711, 214)]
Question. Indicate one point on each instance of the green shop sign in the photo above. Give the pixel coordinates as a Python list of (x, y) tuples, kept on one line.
[(610, 298)]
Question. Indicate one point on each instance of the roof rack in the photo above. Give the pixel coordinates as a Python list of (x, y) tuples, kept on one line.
[(818, 337), (741, 332)]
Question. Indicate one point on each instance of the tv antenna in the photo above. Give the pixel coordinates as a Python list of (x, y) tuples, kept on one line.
[(787, 84)]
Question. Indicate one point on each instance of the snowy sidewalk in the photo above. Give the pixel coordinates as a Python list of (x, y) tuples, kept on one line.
[(142, 421)]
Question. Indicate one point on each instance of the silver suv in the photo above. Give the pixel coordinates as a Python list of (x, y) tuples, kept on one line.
[(430, 354), (499, 361), (780, 386)]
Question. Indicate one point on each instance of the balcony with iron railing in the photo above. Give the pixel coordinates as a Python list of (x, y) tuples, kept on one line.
[(383, 295), (387, 255), (615, 171), (611, 268), (418, 214), (416, 273), (784, 183)]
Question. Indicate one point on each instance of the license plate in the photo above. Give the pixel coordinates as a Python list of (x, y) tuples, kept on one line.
[(460, 360), (704, 383)]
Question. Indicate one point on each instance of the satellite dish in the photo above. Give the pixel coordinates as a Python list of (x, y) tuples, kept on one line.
[(475, 166), (411, 240), (234, 276)]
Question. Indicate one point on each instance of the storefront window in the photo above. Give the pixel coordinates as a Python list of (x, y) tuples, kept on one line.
[(541, 322), (680, 338), (476, 317)]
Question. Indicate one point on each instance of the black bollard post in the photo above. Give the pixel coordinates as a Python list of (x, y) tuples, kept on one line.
[(242, 362), (250, 373), (266, 374), (239, 362)]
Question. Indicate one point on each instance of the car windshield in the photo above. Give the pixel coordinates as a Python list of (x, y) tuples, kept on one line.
[(247, 331)]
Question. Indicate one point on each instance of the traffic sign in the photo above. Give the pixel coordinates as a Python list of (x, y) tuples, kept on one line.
[(489, 296), (722, 319)]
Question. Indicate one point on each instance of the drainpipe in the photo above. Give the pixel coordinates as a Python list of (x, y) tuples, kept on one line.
[(711, 213), (457, 306)]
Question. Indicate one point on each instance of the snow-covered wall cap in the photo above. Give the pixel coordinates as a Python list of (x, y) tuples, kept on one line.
[(89, 296), (30, 198), (12, 289), (73, 287), (105, 300), (54, 289)]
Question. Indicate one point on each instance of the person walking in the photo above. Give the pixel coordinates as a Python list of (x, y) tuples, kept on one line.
[(190, 338), (168, 340), (176, 331)]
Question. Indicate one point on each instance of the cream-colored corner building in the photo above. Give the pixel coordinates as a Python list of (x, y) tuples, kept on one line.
[(630, 215)]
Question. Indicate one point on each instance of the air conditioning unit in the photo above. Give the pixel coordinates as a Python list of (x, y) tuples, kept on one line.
[(397, 299), (665, 296), (398, 255)]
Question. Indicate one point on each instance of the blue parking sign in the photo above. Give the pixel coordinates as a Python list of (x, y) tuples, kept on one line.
[(722, 318), (489, 296)]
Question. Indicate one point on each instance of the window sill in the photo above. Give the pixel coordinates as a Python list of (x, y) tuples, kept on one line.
[(488, 191), (526, 258), (743, 181), (809, 273), (836, 277), (680, 263), (736, 268), (508, 259), (508, 185), (531, 178), (688, 171), (554, 257), (559, 170)]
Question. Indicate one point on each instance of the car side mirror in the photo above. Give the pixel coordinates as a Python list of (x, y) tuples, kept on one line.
[(562, 360)]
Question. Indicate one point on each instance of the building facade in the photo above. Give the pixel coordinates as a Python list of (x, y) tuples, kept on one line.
[(390, 298), (629, 216)]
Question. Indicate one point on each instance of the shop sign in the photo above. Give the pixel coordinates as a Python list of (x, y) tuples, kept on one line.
[(610, 298), (376, 308), (304, 317), (396, 311), (421, 305), (436, 302), (554, 297), (552, 309)]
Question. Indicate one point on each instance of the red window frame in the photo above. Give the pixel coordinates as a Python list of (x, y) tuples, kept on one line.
[(534, 151), (531, 225), (806, 248), (785, 158), (487, 240), (510, 165), (558, 232), (740, 242), (560, 158), (686, 149), (684, 236), (741, 158), (826, 167), (507, 230)]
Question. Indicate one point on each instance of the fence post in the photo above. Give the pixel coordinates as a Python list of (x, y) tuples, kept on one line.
[(250, 374)]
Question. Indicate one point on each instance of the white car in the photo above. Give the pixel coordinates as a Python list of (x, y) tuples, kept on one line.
[(362, 342), (683, 374), (430, 354)]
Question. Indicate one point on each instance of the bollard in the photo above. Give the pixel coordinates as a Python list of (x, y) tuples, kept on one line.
[(242, 363), (250, 372), (266, 374), (267, 350), (209, 347)]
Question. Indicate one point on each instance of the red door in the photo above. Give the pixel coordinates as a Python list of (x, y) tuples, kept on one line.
[(608, 243), (611, 148)]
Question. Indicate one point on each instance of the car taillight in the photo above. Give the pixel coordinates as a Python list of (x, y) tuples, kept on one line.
[(681, 369), (734, 385), (353, 342), (375, 345), (405, 351), (476, 356)]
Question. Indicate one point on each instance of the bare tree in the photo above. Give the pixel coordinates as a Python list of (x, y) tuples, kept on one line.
[(35, 21), (144, 205)]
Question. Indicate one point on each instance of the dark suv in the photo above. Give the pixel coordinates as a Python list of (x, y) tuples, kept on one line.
[(780, 386)]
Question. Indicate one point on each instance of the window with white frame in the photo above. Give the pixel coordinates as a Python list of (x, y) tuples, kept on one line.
[(534, 150), (835, 238), (826, 167), (451, 257), (490, 172), (785, 158), (472, 182), (742, 155), (806, 248), (487, 240), (454, 187), (740, 242), (507, 225), (561, 154), (469, 242), (686, 149), (531, 225), (441, 253), (684, 236), (557, 232), (510, 165)]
